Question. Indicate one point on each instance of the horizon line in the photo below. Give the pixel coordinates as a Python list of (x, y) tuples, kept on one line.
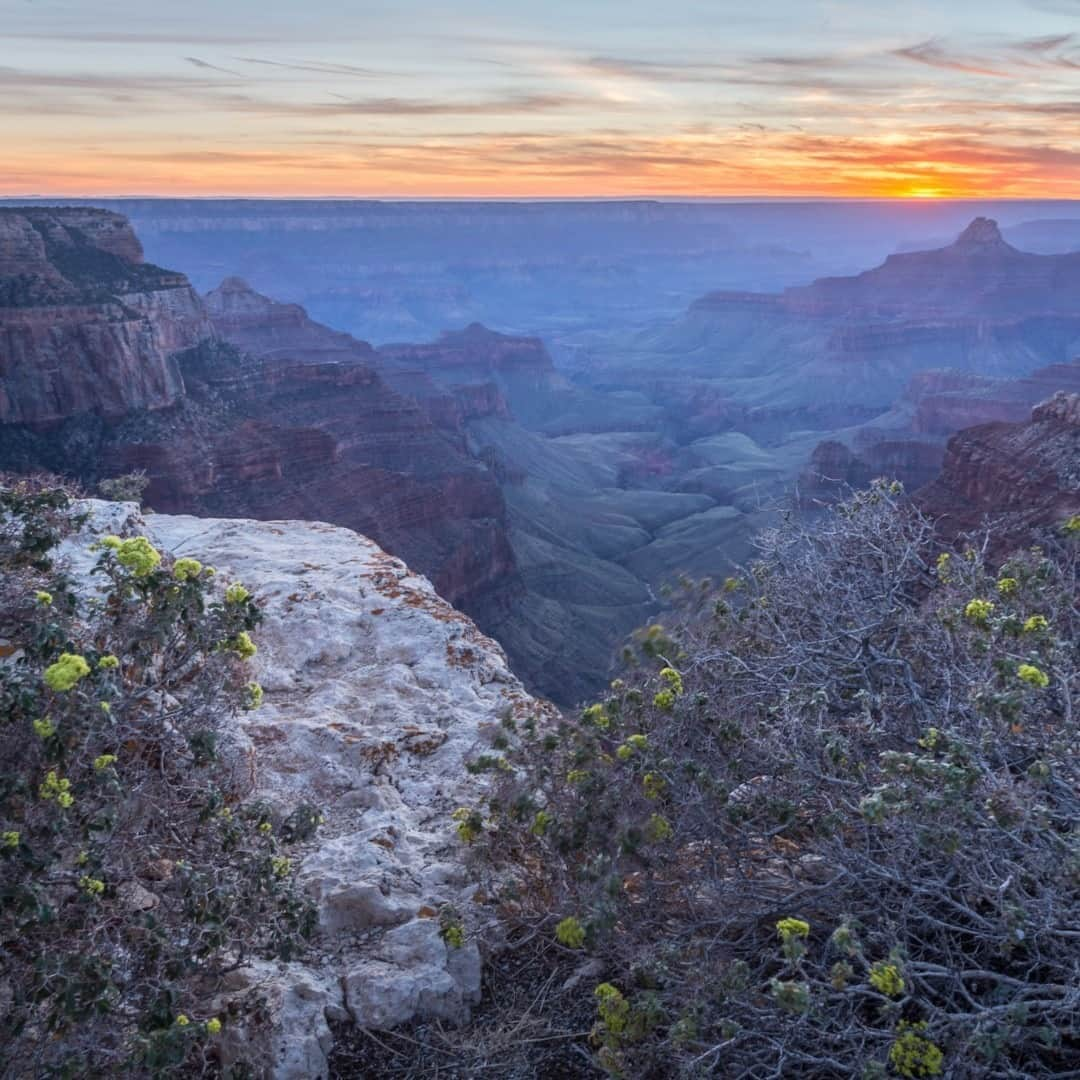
[(663, 198)]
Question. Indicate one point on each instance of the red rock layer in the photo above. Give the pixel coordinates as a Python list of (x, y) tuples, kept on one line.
[(1022, 476), (85, 325)]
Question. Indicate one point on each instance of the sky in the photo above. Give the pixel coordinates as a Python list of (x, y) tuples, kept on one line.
[(549, 98)]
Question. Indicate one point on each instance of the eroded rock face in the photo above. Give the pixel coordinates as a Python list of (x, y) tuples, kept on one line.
[(1022, 476), (376, 694), (908, 442), (86, 327)]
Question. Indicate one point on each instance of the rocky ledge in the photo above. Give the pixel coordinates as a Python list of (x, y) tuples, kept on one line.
[(377, 692)]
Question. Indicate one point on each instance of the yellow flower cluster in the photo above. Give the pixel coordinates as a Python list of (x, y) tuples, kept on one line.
[(54, 787), (632, 744), (281, 866), (66, 672), (43, 598), (108, 663), (236, 594), (1033, 624), (912, 1055), (186, 569), (570, 933), (1006, 586), (92, 886), (790, 928), (673, 679), (43, 728), (978, 611), (103, 761), (613, 1008), (1033, 676), (10, 839), (255, 696), (136, 554), (886, 979)]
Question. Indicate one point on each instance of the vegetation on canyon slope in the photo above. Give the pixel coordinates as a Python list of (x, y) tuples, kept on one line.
[(133, 871), (828, 828), (824, 826)]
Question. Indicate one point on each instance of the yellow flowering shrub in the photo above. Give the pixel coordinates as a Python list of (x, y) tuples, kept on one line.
[(570, 933), (236, 593), (106, 776), (846, 804), (1033, 676), (912, 1054), (66, 672), (978, 611), (183, 569), (886, 979), (138, 555)]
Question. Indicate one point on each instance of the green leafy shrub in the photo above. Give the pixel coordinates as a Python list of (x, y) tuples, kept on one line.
[(868, 779), (133, 870), (127, 488)]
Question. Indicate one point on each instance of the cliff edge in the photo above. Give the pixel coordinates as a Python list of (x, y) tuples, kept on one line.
[(377, 692)]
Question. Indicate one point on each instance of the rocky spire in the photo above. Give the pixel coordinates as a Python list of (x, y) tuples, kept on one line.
[(981, 237)]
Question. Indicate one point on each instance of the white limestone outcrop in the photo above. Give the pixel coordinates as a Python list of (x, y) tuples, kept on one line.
[(377, 692)]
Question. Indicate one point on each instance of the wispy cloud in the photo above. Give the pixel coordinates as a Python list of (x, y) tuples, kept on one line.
[(371, 98), (933, 54), (313, 66), (518, 104), (136, 37), (205, 66), (1045, 44)]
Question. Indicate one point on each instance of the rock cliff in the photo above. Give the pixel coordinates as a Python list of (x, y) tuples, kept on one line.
[(835, 352), (239, 405), (908, 442), (86, 327), (1022, 476), (377, 692)]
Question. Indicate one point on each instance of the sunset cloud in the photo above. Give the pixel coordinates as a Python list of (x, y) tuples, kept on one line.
[(624, 98)]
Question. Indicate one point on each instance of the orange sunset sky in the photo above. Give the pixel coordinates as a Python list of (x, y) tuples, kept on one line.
[(684, 98)]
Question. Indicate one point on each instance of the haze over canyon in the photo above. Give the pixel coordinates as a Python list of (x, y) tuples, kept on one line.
[(561, 413)]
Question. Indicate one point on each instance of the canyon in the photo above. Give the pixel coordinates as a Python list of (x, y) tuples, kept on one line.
[(550, 493)]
